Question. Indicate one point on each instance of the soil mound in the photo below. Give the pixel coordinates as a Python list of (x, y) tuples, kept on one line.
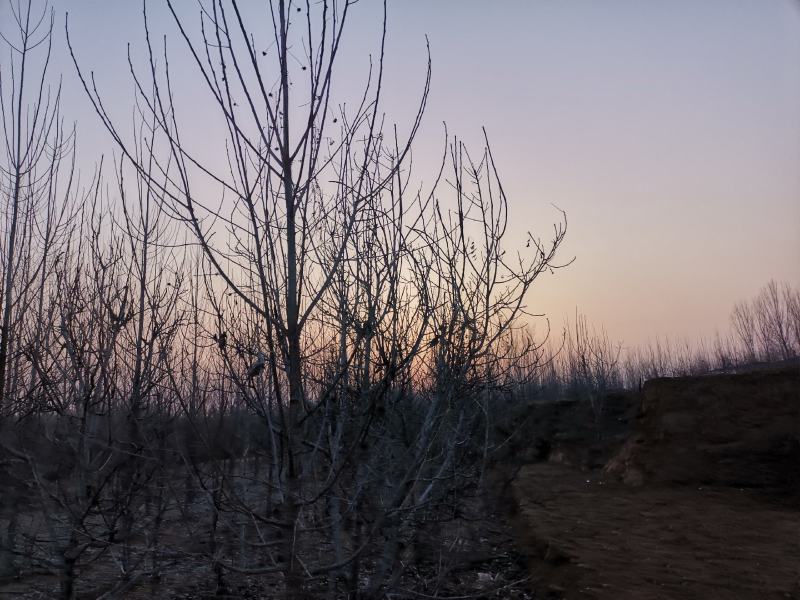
[(715, 512), (740, 430), (572, 431)]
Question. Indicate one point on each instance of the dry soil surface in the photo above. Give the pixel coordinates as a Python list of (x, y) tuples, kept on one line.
[(597, 539)]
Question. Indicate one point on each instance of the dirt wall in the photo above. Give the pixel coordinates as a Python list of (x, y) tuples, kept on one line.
[(739, 430)]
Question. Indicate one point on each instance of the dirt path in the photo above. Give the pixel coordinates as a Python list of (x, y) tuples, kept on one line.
[(596, 539)]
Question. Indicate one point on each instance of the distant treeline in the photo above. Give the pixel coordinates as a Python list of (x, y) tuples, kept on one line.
[(585, 362)]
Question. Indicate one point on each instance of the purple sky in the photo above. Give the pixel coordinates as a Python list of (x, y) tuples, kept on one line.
[(668, 131)]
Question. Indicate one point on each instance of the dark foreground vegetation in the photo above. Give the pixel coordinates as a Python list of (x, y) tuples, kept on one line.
[(285, 370), (281, 363)]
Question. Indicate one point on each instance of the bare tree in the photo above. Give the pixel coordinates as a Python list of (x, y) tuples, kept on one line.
[(367, 326), (37, 177), (766, 327), (36, 189)]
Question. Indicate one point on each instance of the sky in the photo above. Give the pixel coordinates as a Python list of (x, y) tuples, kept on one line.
[(669, 133)]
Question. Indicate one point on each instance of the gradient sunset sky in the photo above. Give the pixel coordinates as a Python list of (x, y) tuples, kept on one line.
[(669, 132)]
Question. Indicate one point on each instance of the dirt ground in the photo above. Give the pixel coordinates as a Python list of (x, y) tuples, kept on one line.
[(596, 539)]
